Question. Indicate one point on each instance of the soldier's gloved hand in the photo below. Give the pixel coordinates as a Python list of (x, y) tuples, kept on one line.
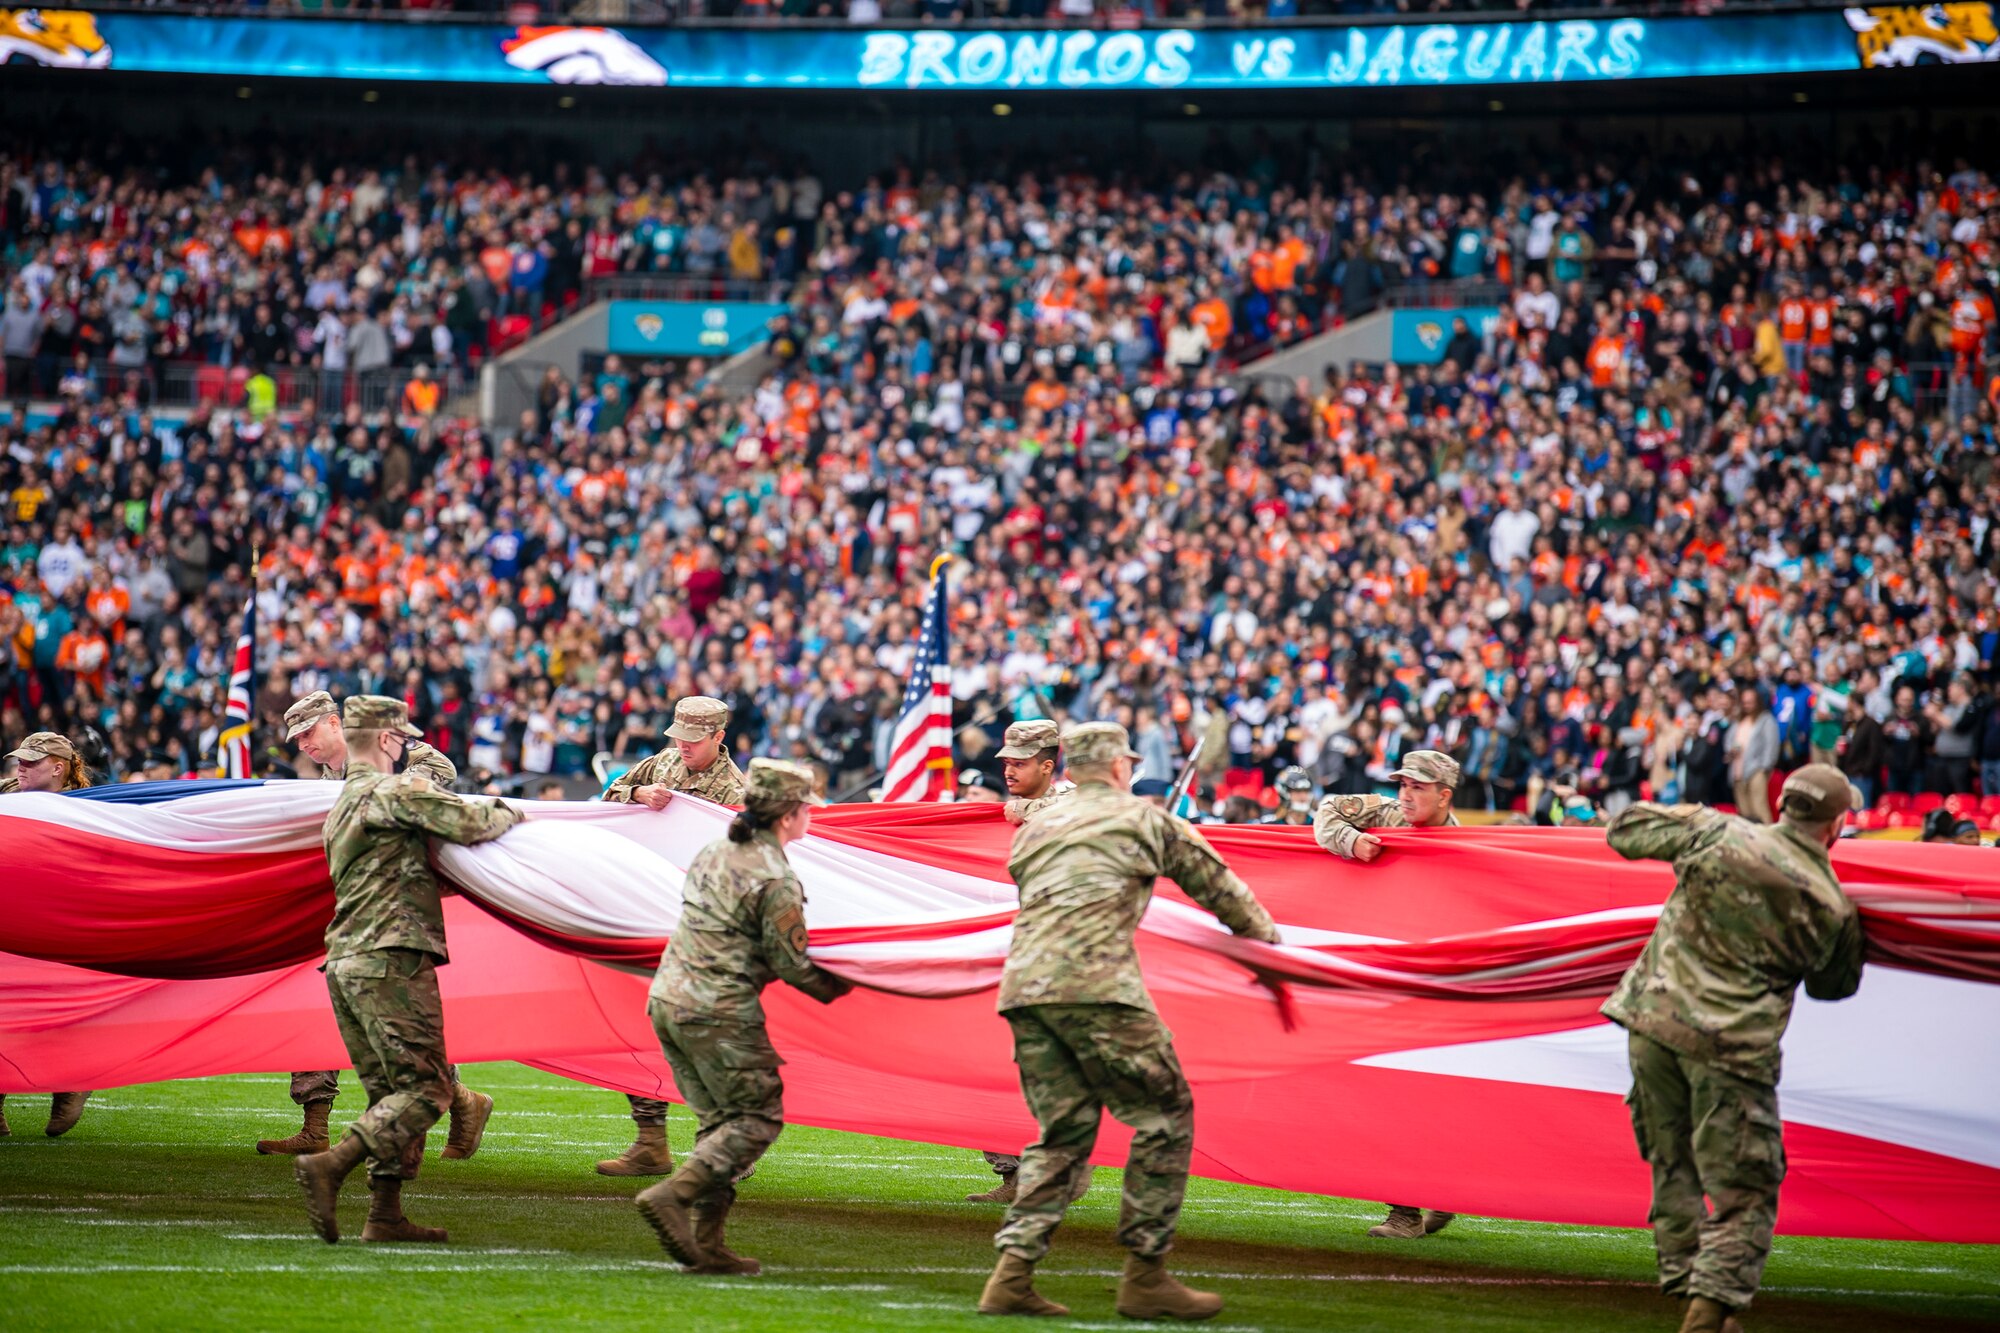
[(1367, 847), (654, 796)]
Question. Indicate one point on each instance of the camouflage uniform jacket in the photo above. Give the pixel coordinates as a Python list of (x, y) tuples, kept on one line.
[(1755, 909), (1085, 867), (384, 894), (417, 758), (1020, 807), (743, 925), (1341, 819), (721, 781)]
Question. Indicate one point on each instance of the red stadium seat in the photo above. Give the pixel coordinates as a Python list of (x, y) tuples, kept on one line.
[(1926, 801), (1906, 819), (1867, 821), (1989, 806), (1963, 804), (1893, 801), (208, 382)]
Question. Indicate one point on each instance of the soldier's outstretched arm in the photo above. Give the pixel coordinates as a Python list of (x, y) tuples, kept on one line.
[(1205, 877), (1647, 832), (1838, 974), (630, 781), (412, 802), (783, 916), (1341, 822)]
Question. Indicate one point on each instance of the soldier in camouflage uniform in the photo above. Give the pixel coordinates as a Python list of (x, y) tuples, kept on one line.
[(1424, 787), (1028, 757), (1755, 910), (1086, 1036), (698, 763), (47, 762), (742, 926), (382, 951), (313, 724)]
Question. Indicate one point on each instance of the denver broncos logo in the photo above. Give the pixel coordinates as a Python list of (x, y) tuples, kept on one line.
[(59, 38), (1953, 34), (583, 55)]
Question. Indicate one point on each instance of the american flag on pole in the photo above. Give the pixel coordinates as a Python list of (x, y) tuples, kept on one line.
[(920, 752), (233, 746)]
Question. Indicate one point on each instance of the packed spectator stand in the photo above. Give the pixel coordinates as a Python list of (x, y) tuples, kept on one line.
[(1715, 496)]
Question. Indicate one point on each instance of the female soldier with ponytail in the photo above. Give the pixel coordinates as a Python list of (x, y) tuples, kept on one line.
[(742, 925), (46, 761)]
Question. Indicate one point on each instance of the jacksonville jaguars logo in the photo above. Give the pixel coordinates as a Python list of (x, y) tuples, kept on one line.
[(584, 56), (58, 38), (1886, 36)]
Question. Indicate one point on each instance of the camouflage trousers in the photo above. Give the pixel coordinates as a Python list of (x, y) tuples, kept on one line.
[(392, 1020), (727, 1070), (1077, 1061), (647, 1110), (1707, 1132), (323, 1085)]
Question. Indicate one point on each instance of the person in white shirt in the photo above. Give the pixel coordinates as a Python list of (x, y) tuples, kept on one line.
[(1512, 536)]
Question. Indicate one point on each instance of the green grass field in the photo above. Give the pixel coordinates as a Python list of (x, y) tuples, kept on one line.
[(155, 1212)]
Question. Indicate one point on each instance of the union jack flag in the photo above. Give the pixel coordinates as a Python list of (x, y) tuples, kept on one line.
[(233, 746), (920, 751)]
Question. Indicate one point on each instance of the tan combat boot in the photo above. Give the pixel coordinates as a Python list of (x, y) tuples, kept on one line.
[(65, 1109), (1004, 1192), (710, 1215), (310, 1138), (649, 1155), (1401, 1224), (1149, 1291), (1011, 1290), (469, 1113), (1436, 1220), (320, 1175), (666, 1208), (1705, 1314), (386, 1221)]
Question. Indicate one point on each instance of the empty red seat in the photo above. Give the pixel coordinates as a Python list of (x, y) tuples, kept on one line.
[(1926, 801), (1963, 804), (1906, 819), (1990, 805), (208, 382), (1892, 801), (1867, 821)]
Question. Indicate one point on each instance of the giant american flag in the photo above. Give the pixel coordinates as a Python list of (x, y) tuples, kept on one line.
[(233, 746), (920, 751)]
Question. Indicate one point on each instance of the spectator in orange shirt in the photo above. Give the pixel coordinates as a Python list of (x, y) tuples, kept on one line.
[(1794, 327), (1213, 315), (1045, 393), (83, 655)]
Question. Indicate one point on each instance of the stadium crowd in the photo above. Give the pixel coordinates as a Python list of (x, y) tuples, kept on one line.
[(1712, 496)]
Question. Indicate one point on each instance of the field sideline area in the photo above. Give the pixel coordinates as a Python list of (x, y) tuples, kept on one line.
[(155, 1212)]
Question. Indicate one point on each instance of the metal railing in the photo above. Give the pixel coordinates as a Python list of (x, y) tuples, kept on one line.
[(190, 384), (681, 287)]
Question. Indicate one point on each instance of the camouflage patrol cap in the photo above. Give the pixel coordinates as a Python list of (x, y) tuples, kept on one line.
[(1090, 743), (778, 782), (377, 712), (1429, 766), (1818, 794), (1025, 740), (43, 745), (307, 711), (698, 717)]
